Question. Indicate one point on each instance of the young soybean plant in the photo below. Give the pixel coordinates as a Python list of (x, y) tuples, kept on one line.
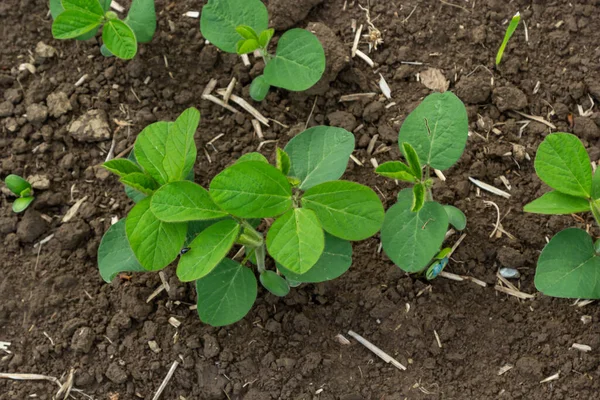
[(22, 189), (314, 216), (570, 262), (434, 135), (81, 19), (241, 26)]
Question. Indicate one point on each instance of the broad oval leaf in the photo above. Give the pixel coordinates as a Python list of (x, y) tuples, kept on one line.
[(456, 217), (142, 19), (259, 89), (274, 283), (254, 156), (122, 167), (207, 250), (437, 129), (115, 254), (335, 260), (16, 184), (226, 294), (150, 150), (564, 165), (21, 204), (299, 61), (180, 147), (155, 243), (252, 189), (73, 23), (346, 209), (220, 18), (119, 39), (92, 7), (396, 170), (296, 240), (569, 266), (184, 201), (319, 154), (557, 203), (140, 182), (411, 239)]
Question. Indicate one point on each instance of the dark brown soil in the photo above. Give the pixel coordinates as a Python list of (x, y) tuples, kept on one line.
[(58, 314)]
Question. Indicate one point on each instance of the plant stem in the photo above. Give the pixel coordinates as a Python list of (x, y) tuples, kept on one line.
[(595, 206), (429, 192), (260, 258)]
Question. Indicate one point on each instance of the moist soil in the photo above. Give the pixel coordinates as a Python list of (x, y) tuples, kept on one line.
[(59, 315)]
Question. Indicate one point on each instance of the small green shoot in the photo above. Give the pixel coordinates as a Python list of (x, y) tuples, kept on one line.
[(569, 264), (315, 214), (241, 26), (81, 20), (434, 135), (512, 26), (22, 189)]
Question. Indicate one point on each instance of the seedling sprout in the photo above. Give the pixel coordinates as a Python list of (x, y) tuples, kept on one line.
[(22, 189), (512, 26)]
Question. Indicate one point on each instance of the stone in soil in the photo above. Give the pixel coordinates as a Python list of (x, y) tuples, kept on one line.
[(284, 15), (509, 98), (44, 51), (586, 128), (39, 182), (211, 346), (373, 111), (31, 227), (474, 89), (116, 374), (335, 54), (8, 225), (37, 113), (72, 234), (91, 127), (6, 109), (342, 119), (58, 104), (83, 339)]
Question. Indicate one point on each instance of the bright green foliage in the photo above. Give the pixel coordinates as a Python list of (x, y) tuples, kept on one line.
[(173, 212), (81, 19), (514, 22), (241, 26), (22, 189), (569, 264), (434, 135)]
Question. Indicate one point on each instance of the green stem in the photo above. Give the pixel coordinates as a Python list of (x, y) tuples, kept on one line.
[(260, 258), (595, 206), (429, 192)]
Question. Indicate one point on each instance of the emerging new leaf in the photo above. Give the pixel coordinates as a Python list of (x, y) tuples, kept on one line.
[(418, 197), (396, 170), (283, 161), (413, 161)]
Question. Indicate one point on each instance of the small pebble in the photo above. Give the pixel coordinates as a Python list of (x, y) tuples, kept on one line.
[(510, 273)]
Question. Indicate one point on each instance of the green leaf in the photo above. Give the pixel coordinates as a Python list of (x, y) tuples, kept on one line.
[(105, 5), (299, 62), (21, 204), (180, 147), (437, 129), (346, 209), (569, 266), (411, 239), (246, 32), (134, 195), (155, 243), (226, 294), (122, 167), (196, 227), (456, 217), (596, 185), (220, 18), (207, 250), (73, 23), (115, 254), (396, 170), (296, 240), (119, 39), (105, 51), (509, 32), (283, 161), (56, 8), (140, 182), (413, 160), (418, 197), (274, 283), (254, 156), (564, 165), (259, 88), (557, 203), (334, 261), (16, 184), (150, 150), (246, 46), (319, 154), (265, 37), (184, 201), (252, 189), (92, 7), (142, 19)]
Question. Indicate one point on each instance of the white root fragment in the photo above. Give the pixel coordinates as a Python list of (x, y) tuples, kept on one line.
[(357, 96), (229, 90), (258, 129), (165, 382), (81, 80), (356, 40), (551, 378), (377, 351), (175, 322), (116, 6), (490, 188), (440, 175), (155, 293), (4, 346), (491, 203), (505, 369), (73, 210), (371, 145), (366, 58), (385, 88), (536, 118), (245, 60), (437, 339), (192, 14), (220, 102), (342, 339), (581, 347), (356, 160), (212, 84), (246, 106), (374, 163), (65, 389), (154, 346)]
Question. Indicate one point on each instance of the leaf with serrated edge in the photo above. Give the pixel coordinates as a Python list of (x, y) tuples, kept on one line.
[(557, 203), (180, 147), (184, 201), (115, 254), (296, 240), (226, 294), (207, 250)]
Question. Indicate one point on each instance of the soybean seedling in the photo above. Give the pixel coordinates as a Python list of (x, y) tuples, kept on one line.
[(314, 216), (434, 135), (81, 19), (512, 26), (569, 264), (242, 26), (22, 189)]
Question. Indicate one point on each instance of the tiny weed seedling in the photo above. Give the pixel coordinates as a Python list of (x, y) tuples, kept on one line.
[(434, 135), (22, 189), (570, 262), (81, 19), (242, 26), (512, 26), (313, 216)]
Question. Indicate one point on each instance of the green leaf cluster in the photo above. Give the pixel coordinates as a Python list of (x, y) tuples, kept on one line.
[(22, 189), (81, 19), (434, 135), (241, 26), (314, 216), (568, 265)]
